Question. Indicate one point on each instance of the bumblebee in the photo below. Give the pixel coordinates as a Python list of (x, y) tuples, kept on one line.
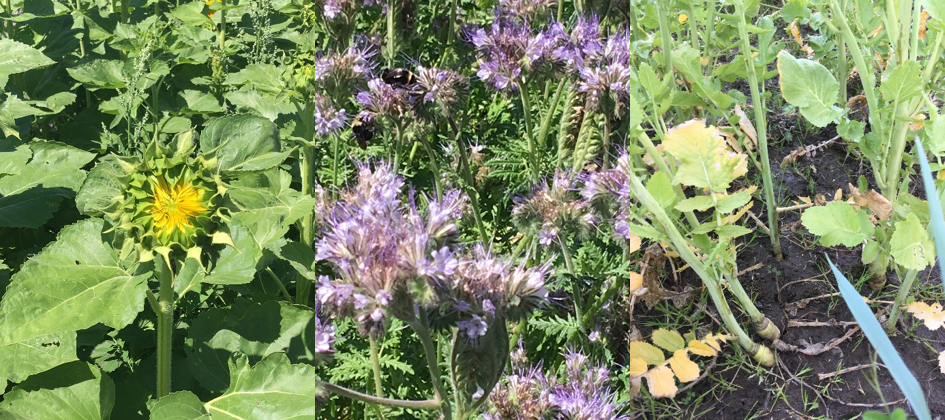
[(362, 130), (399, 78)]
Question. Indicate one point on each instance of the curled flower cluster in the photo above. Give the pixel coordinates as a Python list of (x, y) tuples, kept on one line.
[(327, 119), (582, 393), (356, 62), (527, 10), (609, 71), (610, 186), (384, 99), (439, 86), (553, 207), (390, 258)]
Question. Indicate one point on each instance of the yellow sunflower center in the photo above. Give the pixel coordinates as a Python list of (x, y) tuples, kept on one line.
[(174, 206)]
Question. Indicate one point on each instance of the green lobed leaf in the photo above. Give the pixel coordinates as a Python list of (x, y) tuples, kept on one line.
[(201, 102), (252, 329), (75, 391), (243, 143), (904, 82), (887, 352), (273, 388), (100, 74), (731, 231), (731, 202), (41, 300), (836, 223), (910, 245), (661, 189), (13, 157), (699, 202), (809, 86), (668, 340)]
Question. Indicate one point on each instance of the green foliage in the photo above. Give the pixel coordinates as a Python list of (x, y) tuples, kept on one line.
[(838, 223), (809, 86)]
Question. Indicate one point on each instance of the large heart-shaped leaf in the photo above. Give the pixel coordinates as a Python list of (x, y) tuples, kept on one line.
[(75, 390), (20, 360), (254, 329), (74, 283), (243, 143)]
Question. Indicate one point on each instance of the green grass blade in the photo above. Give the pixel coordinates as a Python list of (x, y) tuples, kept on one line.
[(880, 341), (935, 206)]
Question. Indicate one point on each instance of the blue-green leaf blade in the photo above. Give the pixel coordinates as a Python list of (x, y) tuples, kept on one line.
[(937, 220), (880, 341)]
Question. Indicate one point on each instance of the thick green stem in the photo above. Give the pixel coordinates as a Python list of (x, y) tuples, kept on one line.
[(389, 402), (901, 296), (307, 173), (165, 327), (709, 29), (546, 119), (761, 354), (760, 127), (391, 36), (527, 110), (422, 327), (665, 37), (606, 143), (763, 325)]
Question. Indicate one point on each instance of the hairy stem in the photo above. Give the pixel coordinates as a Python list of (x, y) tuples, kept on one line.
[(307, 173), (165, 327), (421, 327), (389, 402), (527, 110)]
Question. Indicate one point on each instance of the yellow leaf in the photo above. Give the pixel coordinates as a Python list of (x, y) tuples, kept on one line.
[(682, 18), (933, 316), (661, 383), (701, 349), (747, 127), (645, 351), (923, 18), (633, 241), (705, 161), (686, 370), (636, 367), (634, 282)]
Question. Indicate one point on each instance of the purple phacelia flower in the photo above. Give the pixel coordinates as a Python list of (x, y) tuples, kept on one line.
[(527, 10), (554, 207), (473, 328), (327, 120), (583, 392), (439, 86)]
